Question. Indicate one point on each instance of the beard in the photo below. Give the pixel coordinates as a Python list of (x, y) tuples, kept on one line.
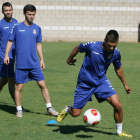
[(7, 17), (29, 22)]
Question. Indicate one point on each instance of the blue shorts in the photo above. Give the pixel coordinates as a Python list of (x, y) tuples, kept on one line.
[(22, 75), (7, 70), (82, 95)]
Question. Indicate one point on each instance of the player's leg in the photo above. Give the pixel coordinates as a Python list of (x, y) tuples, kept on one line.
[(8, 76), (46, 96), (118, 111), (3, 76), (74, 112), (44, 90), (104, 92), (11, 79), (81, 97), (68, 110), (11, 86), (37, 75), (18, 89), (3, 81), (118, 114), (21, 77)]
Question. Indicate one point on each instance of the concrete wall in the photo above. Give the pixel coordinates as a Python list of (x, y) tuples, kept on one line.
[(83, 20)]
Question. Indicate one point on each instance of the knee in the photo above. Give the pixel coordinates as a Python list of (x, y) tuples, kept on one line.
[(42, 85), (19, 87), (76, 113), (43, 88), (118, 106)]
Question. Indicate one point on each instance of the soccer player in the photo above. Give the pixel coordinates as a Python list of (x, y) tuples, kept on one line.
[(92, 78), (7, 71), (27, 37)]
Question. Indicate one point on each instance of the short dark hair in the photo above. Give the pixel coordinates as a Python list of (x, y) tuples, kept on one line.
[(6, 4), (112, 36), (29, 7)]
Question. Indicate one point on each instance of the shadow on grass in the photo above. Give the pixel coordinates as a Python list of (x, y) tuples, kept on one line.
[(70, 129), (7, 108), (12, 109)]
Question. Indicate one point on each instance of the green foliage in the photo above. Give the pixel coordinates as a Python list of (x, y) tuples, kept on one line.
[(61, 81)]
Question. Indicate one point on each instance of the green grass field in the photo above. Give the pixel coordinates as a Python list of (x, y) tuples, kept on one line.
[(61, 81)]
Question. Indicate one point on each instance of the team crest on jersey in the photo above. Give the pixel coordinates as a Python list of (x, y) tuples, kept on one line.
[(34, 31), (109, 57)]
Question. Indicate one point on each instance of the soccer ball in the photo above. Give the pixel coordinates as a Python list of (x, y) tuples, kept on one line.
[(92, 117)]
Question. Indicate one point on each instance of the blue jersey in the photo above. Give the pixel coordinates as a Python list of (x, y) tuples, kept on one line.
[(96, 63), (26, 38), (5, 29)]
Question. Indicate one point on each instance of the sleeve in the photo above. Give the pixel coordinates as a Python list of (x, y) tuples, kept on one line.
[(86, 47), (12, 35), (39, 37), (117, 63)]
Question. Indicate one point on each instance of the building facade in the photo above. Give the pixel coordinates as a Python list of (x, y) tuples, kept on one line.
[(83, 20)]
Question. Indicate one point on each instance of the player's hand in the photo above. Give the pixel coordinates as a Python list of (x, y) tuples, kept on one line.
[(71, 62), (127, 88), (42, 65), (6, 60)]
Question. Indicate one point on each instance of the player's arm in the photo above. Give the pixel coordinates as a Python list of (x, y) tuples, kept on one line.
[(8, 47), (119, 72), (72, 59), (40, 53)]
